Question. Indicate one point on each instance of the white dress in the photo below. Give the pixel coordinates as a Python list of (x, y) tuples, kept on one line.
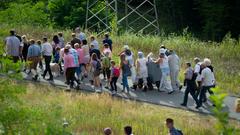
[(165, 83)]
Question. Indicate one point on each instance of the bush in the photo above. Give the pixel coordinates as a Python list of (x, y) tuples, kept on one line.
[(27, 13)]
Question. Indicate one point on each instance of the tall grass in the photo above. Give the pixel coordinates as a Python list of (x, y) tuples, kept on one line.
[(225, 56), (88, 114)]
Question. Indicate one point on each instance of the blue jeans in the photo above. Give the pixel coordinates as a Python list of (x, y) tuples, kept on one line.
[(125, 82)]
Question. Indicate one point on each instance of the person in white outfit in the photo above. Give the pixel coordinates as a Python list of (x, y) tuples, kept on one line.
[(164, 66), (174, 65), (142, 72)]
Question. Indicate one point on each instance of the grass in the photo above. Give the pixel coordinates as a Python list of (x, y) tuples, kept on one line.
[(225, 56), (88, 114)]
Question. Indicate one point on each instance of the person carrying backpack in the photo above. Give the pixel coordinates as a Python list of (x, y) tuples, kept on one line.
[(115, 73), (172, 129), (96, 67), (191, 85), (106, 67)]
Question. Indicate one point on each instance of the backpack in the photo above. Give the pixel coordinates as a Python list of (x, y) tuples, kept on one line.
[(194, 76), (98, 66), (106, 62), (116, 72), (179, 131)]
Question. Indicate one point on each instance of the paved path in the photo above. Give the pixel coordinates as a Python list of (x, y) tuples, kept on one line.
[(153, 97)]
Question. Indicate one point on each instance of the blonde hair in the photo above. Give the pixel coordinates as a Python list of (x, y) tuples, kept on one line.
[(207, 61)]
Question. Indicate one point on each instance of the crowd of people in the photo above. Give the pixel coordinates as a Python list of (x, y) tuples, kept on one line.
[(79, 59)]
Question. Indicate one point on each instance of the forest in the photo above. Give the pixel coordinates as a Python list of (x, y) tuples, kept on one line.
[(204, 19)]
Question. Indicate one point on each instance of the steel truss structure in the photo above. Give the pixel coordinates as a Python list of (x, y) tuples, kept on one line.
[(142, 18)]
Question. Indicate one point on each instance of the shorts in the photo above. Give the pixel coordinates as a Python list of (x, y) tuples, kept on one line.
[(96, 73)]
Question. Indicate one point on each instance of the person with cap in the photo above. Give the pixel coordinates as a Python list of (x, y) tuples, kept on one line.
[(191, 85), (174, 65), (34, 53), (47, 51), (74, 40), (94, 42), (206, 83), (79, 34), (69, 67), (107, 40), (141, 68), (107, 131), (13, 47), (197, 75), (164, 66)]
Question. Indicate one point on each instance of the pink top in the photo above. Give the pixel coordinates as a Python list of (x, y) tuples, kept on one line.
[(68, 61), (80, 55), (107, 50)]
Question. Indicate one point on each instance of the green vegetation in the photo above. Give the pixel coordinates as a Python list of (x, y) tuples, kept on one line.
[(207, 20)]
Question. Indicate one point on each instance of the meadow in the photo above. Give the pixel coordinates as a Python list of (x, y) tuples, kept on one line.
[(31, 108), (224, 55)]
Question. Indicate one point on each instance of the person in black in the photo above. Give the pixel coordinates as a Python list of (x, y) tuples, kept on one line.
[(25, 48), (191, 85), (74, 40), (93, 50), (108, 41)]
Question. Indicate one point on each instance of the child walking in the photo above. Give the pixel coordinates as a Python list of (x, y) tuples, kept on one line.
[(115, 73)]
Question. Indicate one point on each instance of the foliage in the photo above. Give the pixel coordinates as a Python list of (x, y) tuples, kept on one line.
[(25, 13), (222, 126)]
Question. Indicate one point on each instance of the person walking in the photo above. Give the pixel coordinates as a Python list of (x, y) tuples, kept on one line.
[(13, 47), (142, 72), (47, 51), (61, 39), (69, 67), (115, 73), (174, 66), (55, 43), (107, 40), (33, 56), (191, 85), (207, 82), (106, 68), (197, 75), (126, 71), (96, 68), (94, 42), (164, 66)]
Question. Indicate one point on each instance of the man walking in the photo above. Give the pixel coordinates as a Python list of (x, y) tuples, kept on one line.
[(13, 47), (108, 41), (47, 51), (34, 53), (191, 85)]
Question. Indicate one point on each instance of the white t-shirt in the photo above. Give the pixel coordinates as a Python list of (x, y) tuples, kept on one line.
[(197, 69), (207, 77), (47, 49)]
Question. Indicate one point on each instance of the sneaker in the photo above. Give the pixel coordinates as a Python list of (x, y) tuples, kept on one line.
[(170, 92), (183, 104), (68, 88), (98, 91)]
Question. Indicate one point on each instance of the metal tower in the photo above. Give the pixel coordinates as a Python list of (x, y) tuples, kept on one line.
[(138, 16)]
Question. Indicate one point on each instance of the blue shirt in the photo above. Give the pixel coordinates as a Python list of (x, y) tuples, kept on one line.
[(34, 50), (75, 56)]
